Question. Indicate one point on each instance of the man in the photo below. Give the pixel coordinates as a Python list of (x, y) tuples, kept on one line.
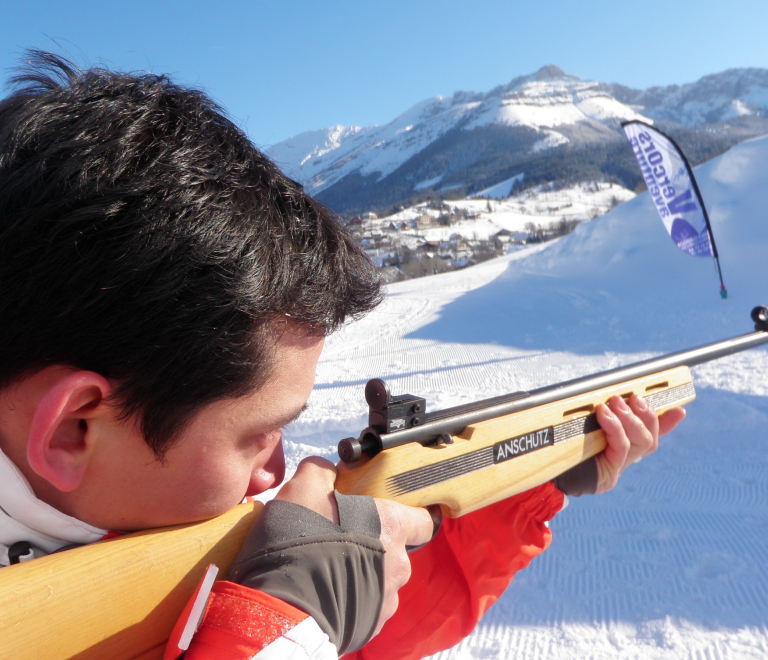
[(165, 291)]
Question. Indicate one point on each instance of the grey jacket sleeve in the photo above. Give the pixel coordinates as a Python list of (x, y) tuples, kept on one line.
[(579, 480), (335, 573)]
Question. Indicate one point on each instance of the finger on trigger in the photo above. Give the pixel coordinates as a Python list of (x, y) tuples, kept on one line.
[(423, 528), (414, 525)]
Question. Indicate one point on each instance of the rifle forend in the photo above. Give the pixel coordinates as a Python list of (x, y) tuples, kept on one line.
[(460, 457)]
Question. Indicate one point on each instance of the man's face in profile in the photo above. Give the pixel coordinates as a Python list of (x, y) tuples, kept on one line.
[(231, 449)]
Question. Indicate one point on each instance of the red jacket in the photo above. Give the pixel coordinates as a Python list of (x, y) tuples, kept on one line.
[(455, 579)]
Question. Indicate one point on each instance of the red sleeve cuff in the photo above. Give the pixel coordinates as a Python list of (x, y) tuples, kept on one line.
[(239, 622)]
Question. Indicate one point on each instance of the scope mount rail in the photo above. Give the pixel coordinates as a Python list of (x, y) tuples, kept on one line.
[(407, 413)]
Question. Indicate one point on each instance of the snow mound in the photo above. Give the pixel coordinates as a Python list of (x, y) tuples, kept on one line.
[(622, 280), (500, 190)]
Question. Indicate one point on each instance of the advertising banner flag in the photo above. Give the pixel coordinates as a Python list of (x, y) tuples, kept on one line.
[(673, 188)]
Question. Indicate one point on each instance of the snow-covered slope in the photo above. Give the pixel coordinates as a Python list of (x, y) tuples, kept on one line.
[(541, 206), (544, 101), (674, 562), (321, 158), (550, 103), (626, 271)]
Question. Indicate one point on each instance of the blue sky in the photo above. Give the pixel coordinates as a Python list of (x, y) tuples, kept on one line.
[(285, 66)]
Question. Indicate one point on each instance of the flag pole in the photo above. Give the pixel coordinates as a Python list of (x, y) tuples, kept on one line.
[(715, 254)]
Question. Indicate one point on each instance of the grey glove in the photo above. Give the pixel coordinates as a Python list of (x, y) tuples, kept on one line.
[(579, 480), (334, 573)]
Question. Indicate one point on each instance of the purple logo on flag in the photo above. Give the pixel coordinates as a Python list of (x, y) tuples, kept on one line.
[(671, 187)]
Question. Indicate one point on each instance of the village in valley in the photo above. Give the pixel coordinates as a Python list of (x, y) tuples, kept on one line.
[(402, 251), (437, 236)]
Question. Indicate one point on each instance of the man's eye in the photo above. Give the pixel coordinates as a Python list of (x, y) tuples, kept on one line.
[(298, 414), (268, 437)]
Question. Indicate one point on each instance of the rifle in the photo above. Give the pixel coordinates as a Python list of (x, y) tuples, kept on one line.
[(461, 457), (119, 599)]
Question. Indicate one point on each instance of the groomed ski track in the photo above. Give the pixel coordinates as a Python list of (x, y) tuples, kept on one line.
[(674, 562)]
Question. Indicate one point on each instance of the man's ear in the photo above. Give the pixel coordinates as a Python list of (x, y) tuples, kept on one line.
[(60, 442)]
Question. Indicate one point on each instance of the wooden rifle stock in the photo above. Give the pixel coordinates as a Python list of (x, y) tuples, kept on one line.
[(119, 599), (494, 459)]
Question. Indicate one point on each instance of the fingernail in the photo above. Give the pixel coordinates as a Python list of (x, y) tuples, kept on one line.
[(607, 411), (623, 405), (642, 403)]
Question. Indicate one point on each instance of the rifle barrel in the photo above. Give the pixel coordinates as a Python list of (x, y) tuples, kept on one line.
[(454, 420)]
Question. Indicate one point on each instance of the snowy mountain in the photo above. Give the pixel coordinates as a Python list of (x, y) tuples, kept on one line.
[(672, 563), (719, 97), (549, 126), (548, 102)]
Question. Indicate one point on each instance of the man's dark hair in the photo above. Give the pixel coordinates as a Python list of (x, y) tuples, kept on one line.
[(144, 237)]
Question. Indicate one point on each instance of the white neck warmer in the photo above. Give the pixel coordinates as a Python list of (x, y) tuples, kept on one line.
[(23, 517)]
